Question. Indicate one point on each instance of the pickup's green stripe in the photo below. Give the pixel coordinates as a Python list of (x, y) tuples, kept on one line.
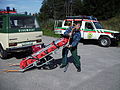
[(108, 31), (84, 29), (88, 30), (60, 28)]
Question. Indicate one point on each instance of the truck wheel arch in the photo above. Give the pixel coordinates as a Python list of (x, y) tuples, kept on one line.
[(104, 41), (3, 53), (1, 46)]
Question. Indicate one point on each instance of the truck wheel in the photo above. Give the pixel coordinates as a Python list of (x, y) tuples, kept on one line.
[(105, 41), (3, 54)]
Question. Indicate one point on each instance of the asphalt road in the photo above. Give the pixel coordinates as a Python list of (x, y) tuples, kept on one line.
[(100, 71)]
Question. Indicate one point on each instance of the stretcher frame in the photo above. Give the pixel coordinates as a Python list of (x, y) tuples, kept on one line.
[(36, 63)]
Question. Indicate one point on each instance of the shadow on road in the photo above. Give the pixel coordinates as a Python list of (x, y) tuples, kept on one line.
[(95, 42), (89, 42), (55, 63), (59, 61), (19, 55)]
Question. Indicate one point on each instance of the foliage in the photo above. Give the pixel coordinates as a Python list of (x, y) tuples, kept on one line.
[(59, 9), (52, 10), (49, 24), (112, 24), (49, 32), (102, 9)]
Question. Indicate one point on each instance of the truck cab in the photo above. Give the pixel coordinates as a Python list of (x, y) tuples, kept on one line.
[(91, 28), (18, 32)]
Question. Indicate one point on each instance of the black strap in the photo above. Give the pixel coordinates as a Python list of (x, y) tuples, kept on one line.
[(55, 44)]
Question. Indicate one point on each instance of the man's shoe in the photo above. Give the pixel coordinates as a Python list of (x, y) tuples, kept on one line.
[(62, 66), (79, 69), (46, 68)]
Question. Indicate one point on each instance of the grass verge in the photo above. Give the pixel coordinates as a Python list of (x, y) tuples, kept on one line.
[(51, 33), (112, 24)]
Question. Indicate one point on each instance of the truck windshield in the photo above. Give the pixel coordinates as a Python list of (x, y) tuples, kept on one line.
[(1, 23), (23, 22), (98, 25)]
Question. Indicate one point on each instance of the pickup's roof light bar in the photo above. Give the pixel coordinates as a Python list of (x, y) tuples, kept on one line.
[(82, 17), (81, 20)]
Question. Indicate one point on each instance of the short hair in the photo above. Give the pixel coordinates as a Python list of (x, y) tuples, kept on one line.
[(69, 23), (74, 24)]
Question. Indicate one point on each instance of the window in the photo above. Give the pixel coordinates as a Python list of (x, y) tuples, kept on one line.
[(23, 22), (88, 25), (98, 25), (76, 22), (58, 23), (67, 23), (1, 23)]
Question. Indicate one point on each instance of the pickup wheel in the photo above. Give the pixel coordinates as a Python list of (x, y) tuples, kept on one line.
[(104, 41), (3, 54)]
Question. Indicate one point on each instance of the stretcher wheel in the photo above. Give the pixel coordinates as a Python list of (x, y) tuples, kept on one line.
[(50, 65)]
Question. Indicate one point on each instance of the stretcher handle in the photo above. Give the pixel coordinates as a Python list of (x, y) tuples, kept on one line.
[(12, 71)]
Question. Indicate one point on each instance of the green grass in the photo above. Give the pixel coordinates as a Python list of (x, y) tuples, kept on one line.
[(51, 33), (112, 24)]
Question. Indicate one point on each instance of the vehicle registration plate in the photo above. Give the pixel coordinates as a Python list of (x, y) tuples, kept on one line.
[(27, 43)]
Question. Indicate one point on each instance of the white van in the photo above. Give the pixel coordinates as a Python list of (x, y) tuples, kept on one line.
[(18, 32)]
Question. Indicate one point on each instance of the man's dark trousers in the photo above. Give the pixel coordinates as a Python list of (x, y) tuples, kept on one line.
[(76, 58)]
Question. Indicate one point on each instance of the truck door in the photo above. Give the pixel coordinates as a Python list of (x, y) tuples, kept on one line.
[(3, 32), (1, 28), (89, 31), (1, 23)]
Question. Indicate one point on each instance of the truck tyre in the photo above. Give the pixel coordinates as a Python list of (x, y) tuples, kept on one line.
[(3, 53), (104, 41)]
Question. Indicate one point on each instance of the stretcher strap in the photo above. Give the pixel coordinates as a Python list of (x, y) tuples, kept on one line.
[(55, 44)]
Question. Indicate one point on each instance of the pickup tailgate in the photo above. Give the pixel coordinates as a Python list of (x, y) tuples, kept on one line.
[(24, 38)]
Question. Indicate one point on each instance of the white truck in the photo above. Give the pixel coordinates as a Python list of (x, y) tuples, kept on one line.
[(90, 29), (18, 32)]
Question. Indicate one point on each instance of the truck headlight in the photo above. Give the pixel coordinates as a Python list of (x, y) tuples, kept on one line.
[(113, 34)]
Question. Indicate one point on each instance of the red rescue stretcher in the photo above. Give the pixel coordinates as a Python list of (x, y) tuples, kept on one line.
[(41, 55)]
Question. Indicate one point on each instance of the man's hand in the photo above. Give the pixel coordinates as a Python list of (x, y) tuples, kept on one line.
[(69, 46), (70, 34)]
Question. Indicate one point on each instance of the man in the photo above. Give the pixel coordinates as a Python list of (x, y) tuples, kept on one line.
[(75, 37)]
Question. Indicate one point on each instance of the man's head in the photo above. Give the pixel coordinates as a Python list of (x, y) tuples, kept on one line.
[(78, 26), (69, 24)]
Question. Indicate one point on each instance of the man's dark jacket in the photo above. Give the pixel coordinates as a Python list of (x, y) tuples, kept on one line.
[(75, 38)]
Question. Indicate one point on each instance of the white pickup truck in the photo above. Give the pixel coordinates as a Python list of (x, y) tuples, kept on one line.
[(90, 29)]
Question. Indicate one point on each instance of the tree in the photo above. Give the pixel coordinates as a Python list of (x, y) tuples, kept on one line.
[(59, 9)]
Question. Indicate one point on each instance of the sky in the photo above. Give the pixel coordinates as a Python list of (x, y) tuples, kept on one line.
[(31, 6)]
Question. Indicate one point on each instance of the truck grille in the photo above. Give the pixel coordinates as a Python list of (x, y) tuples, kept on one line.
[(117, 35)]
